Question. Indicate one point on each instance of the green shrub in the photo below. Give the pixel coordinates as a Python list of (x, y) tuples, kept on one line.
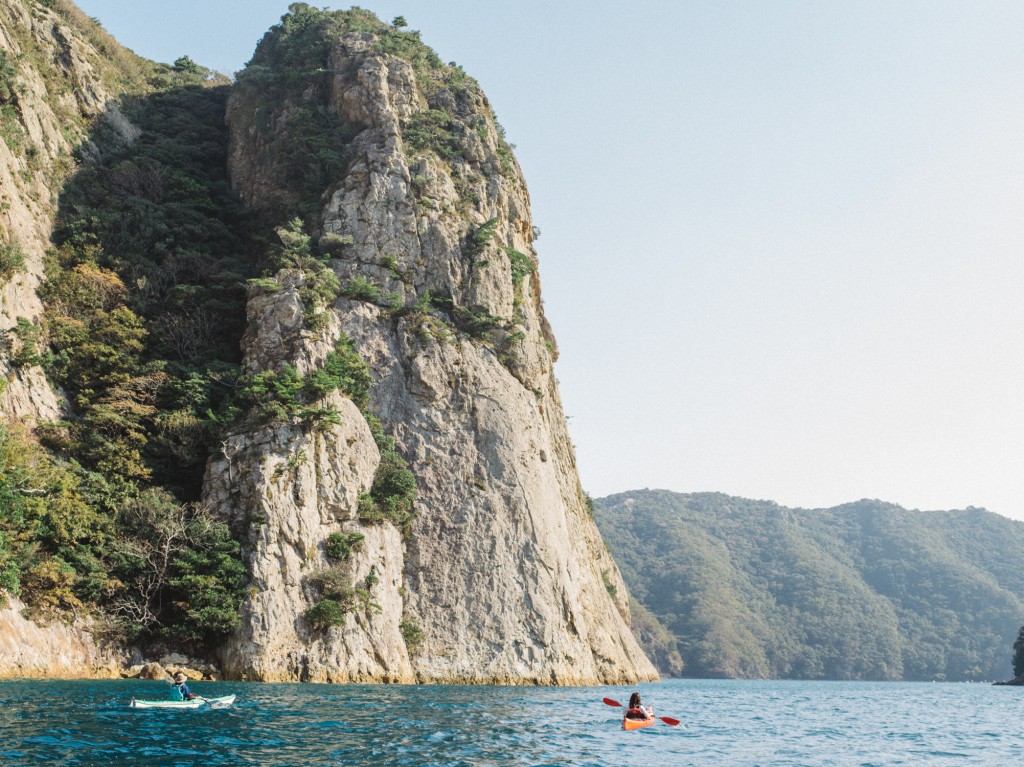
[(361, 289), (343, 370), (264, 284), (326, 613), (340, 545), (431, 130), (8, 77), (521, 265), (12, 260), (334, 244), (367, 510), (393, 493), (27, 341), (412, 633), (480, 238)]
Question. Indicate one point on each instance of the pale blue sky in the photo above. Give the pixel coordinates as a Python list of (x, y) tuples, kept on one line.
[(782, 241)]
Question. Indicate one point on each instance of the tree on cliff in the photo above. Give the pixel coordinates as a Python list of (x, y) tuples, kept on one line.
[(1018, 654)]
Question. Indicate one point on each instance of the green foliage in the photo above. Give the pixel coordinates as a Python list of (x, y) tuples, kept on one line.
[(863, 591), (187, 66), (265, 284), (145, 298), (26, 338), (343, 370), (206, 584), (333, 245), (340, 545), (399, 22), (432, 130), (393, 493), (60, 539), (504, 150), (273, 395), (367, 511), (178, 571), (11, 129), (8, 78), (1018, 654), (319, 287), (144, 308), (338, 594), (326, 613), (288, 86), (12, 260), (521, 265), (412, 633), (409, 46), (478, 240), (361, 289), (658, 644)]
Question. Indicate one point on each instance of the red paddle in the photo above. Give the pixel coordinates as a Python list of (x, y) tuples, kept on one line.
[(666, 719)]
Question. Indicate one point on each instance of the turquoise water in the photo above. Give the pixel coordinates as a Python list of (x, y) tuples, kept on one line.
[(725, 724)]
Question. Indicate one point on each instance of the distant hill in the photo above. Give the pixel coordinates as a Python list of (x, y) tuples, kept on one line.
[(868, 590)]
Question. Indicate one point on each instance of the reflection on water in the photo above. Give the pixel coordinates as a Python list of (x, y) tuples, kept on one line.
[(777, 724)]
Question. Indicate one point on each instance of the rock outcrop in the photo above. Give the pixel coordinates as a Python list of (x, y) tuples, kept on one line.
[(32, 650), (502, 576)]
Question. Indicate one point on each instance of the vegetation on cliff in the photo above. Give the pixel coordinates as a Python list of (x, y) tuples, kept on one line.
[(145, 307), (862, 591)]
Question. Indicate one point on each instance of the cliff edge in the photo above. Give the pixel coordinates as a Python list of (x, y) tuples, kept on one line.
[(499, 575)]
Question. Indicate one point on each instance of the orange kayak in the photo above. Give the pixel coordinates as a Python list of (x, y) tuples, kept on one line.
[(636, 724)]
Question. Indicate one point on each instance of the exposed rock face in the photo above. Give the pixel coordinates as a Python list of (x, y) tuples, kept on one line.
[(42, 122), (28, 649), (503, 569)]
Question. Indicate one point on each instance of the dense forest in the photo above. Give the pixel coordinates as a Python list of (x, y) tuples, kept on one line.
[(868, 590)]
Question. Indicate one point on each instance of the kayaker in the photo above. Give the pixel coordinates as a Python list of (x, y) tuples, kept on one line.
[(180, 691), (636, 709)]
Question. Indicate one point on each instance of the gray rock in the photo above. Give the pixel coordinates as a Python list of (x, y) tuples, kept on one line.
[(503, 576)]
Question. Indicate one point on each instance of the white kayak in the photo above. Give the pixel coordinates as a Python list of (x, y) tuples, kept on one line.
[(221, 702)]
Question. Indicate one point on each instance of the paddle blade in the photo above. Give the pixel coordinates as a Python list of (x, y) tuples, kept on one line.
[(669, 720), (610, 702)]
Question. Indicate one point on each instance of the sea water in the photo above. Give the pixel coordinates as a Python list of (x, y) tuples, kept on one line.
[(724, 724)]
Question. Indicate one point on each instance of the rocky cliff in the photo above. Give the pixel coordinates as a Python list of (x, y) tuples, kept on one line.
[(42, 125), (399, 471), (501, 576)]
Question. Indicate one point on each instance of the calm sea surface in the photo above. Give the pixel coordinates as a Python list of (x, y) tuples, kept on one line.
[(753, 724)]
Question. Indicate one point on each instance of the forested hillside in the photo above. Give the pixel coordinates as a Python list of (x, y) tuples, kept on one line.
[(867, 590)]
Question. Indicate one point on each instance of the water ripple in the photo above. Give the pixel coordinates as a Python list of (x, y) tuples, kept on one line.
[(726, 724)]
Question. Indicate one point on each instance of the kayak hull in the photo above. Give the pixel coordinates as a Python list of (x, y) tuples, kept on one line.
[(223, 700), (636, 724)]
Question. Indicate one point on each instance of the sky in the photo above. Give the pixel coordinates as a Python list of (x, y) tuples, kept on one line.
[(782, 243)]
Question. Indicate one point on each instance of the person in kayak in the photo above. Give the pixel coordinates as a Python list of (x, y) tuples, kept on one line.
[(179, 690), (636, 709)]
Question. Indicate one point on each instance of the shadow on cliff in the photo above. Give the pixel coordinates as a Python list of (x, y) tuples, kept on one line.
[(146, 288)]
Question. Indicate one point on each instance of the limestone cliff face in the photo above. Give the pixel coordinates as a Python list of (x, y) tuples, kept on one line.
[(28, 649), (503, 576), (54, 89), (51, 93)]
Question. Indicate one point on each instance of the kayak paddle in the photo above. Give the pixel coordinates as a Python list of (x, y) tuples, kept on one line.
[(666, 719)]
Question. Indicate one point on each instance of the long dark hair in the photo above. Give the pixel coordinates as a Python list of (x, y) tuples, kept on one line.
[(634, 700)]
